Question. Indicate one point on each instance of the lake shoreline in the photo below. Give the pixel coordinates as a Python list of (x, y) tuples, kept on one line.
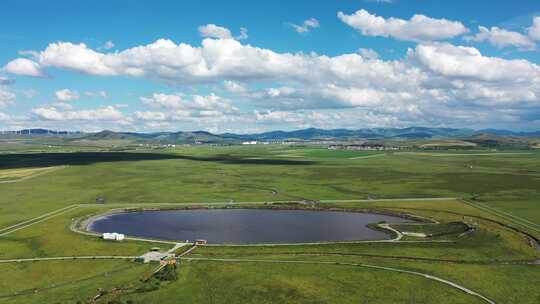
[(88, 223)]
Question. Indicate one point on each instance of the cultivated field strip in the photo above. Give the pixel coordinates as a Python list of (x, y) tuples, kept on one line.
[(49, 170), (510, 217), (36, 220), (508, 214)]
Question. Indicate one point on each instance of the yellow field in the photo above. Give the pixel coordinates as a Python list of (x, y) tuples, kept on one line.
[(14, 174)]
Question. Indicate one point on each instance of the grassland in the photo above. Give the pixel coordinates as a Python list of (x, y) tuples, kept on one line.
[(64, 281), (215, 282), (501, 192)]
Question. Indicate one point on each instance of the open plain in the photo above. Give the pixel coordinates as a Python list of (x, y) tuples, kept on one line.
[(474, 242)]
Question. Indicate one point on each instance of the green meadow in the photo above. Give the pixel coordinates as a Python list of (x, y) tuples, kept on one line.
[(496, 193)]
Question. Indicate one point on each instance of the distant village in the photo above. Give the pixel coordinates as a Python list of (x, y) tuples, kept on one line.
[(332, 145), (363, 147)]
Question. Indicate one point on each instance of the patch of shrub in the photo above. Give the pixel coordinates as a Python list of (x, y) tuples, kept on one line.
[(168, 273), (148, 286)]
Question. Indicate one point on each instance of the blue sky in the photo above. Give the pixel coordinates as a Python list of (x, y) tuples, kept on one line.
[(248, 66)]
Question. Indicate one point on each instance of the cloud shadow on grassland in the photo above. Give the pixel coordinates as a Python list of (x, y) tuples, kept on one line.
[(33, 160)]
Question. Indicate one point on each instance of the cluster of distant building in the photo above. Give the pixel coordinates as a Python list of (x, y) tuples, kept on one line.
[(254, 142), (363, 147), (276, 142)]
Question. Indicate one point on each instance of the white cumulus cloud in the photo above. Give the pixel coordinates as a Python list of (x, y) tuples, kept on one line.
[(534, 30), (179, 106), (433, 84), (108, 113), (151, 115), (502, 38), (24, 67), (243, 34), (368, 53), (177, 101), (418, 28), (4, 117), (161, 100), (94, 94), (234, 87), (306, 26), (67, 95), (220, 32), (214, 31), (108, 45), (459, 61), (6, 97)]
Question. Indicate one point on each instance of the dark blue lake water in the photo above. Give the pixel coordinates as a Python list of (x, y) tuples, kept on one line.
[(246, 226)]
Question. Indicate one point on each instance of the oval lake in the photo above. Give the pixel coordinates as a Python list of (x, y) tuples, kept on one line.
[(246, 226)]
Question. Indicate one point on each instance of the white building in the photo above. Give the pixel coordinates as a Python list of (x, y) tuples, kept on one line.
[(113, 236), (254, 142)]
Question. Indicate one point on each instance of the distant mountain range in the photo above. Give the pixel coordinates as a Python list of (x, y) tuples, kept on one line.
[(311, 134), (375, 133), (160, 137)]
